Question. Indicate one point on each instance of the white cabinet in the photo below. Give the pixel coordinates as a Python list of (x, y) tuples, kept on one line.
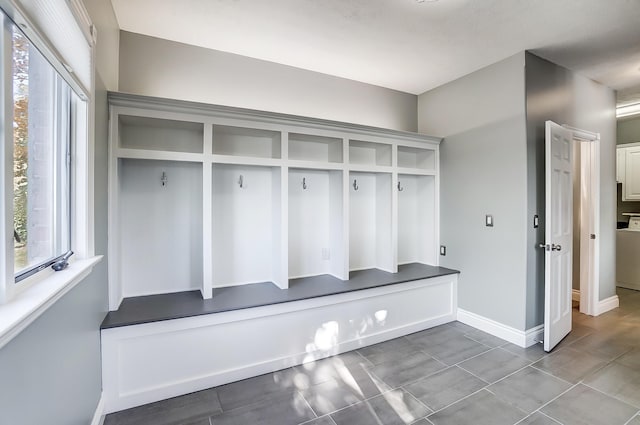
[(631, 169), (204, 196), (620, 164)]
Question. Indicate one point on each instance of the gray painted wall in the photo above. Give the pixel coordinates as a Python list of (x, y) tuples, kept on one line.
[(51, 372), (483, 157), (555, 93), (492, 162), (156, 67), (628, 130)]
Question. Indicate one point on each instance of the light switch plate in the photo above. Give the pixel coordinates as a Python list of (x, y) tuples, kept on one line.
[(443, 250), (488, 220), (536, 221)]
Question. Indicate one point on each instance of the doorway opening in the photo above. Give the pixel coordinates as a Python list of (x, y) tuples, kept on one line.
[(586, 223)]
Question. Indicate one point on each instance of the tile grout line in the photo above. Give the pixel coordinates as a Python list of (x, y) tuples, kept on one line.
[(308, 404), (539, 409), (457, 401), (472, 374), (551, 374), (610, 395)]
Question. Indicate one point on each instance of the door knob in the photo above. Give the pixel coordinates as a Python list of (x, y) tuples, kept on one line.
[(546, 247)]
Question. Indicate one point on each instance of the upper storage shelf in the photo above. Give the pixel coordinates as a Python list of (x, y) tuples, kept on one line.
[(306, 147), (249, 142), (417, 158), (369, 153), (160, 134)]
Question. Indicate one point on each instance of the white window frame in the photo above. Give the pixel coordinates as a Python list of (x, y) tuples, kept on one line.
[(22, 303)]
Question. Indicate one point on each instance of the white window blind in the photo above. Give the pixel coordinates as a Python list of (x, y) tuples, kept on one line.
[(66, 27)]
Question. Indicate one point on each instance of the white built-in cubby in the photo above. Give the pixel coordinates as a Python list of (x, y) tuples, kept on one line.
[(246, 227), (417, 223), (316, 223), (371, 221), (204, 196), (248, 142), (315, 148), (148, 133), (160, 226), (371, 154)]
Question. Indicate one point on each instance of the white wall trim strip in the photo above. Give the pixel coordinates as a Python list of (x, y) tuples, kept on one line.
[(607, 304), (20, 312), (98, 416), (521, 338)]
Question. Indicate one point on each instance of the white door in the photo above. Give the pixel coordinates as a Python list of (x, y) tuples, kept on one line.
[(558, 234)]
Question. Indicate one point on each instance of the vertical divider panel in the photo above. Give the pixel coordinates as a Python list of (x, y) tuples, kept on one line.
[(207, 213), (394, 209), (384, 228), (115, 280), (346, 206), (281, 272), (337, 225), (436, 209)]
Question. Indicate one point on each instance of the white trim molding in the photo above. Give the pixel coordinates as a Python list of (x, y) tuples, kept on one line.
[(607, 304), (521, 338), (19, 313), (98, 416)]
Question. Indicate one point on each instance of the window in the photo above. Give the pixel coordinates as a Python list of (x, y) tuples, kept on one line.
[(46, 155), (41, 155)]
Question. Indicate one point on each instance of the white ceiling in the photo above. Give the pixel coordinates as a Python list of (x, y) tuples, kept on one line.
[(403, 44)]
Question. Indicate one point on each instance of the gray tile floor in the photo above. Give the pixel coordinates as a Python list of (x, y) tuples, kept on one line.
[(451, 374)]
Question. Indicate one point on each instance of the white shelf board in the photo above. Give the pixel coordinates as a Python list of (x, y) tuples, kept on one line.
[(314, 165), (416, 171), (362, 168), (246, 160), (159, 155)]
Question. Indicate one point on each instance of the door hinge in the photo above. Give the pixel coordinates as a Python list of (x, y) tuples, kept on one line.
[(592, 236)]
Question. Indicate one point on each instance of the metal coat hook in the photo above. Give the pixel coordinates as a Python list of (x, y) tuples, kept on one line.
[(355, 184), (400, 188), (241, 181), (164, 179), (304, 183)]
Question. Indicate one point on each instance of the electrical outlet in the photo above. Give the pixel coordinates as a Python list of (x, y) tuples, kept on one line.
[(443, 250), (326, 254), (488, 219)]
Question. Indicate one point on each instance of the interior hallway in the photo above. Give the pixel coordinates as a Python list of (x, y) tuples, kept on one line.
[(451, 374)]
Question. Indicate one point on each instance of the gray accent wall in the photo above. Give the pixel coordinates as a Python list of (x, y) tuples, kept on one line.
[(156, 67), (483, 171), (50, 373), (492, 162), (558, 94)]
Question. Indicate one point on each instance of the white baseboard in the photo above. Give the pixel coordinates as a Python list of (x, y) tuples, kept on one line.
[(607, 304), (98, 416), (575, 295), (521, 338)]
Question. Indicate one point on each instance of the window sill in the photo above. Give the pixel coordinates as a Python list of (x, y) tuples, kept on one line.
[(27, 306)]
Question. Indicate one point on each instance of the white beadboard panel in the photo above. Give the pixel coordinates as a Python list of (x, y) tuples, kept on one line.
[(154, 361)]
